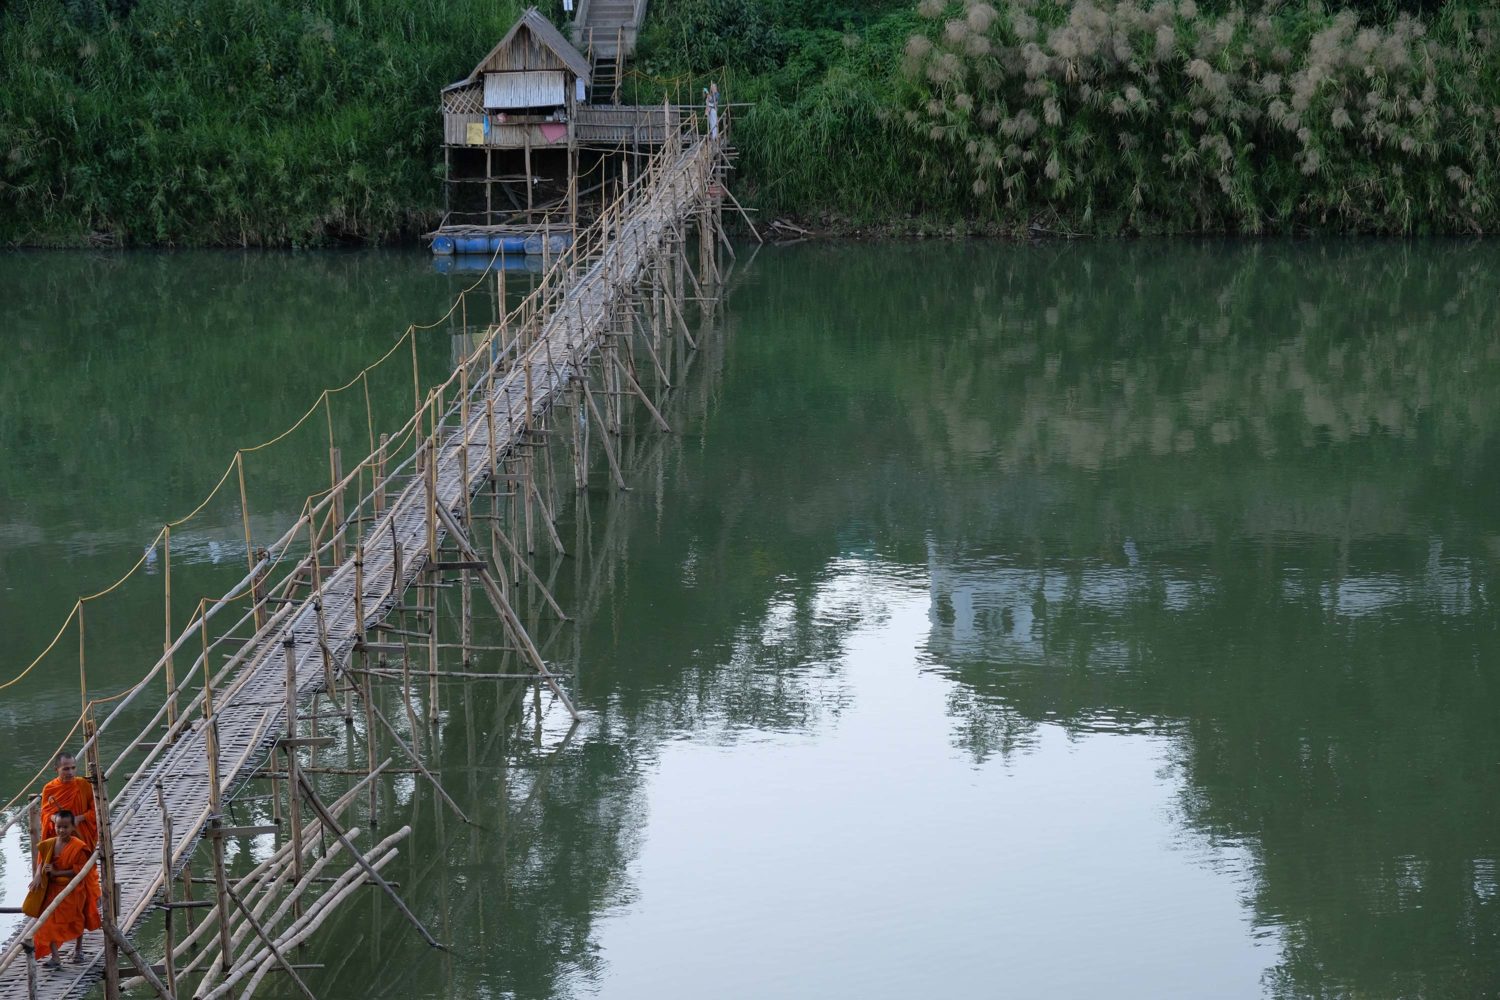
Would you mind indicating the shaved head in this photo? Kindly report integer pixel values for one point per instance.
(64, 821)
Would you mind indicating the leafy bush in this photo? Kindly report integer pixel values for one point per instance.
(702, 35)
(1146, 117)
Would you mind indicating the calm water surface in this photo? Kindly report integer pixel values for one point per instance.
(1076, 621)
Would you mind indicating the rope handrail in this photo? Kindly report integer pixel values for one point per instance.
(597, 254)
(582, 251)
(229, 470)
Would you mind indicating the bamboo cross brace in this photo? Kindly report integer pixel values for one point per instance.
(417, 760)
(317, 804)
(260, 932)
(508, 614)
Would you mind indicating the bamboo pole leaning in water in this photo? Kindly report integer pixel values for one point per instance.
(274, 868)
(328, 902)
(248, 963)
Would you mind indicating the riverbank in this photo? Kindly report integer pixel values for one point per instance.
(217, 122)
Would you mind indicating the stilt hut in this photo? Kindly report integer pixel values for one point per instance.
(524, 149)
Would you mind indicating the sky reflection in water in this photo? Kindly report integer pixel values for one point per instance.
(1107, 619)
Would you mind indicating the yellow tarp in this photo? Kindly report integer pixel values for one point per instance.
(476, 133)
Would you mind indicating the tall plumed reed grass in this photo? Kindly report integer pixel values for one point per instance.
(248, 122)
(1160, 116)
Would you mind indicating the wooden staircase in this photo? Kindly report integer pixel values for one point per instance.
(606, 30)
(604, 81)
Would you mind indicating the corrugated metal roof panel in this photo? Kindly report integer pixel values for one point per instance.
(534, 89)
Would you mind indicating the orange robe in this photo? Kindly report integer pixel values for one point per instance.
(76, 796)
(75, 914)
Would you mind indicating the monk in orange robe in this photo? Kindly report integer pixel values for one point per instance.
(71, 918)
(76, 795)
(70, 793)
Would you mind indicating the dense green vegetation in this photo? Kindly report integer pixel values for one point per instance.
(269, 122)
(227, 121)
(1100, 116)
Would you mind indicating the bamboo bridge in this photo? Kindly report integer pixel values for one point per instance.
(455, 494)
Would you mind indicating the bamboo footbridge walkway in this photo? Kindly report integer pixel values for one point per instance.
(459, 492)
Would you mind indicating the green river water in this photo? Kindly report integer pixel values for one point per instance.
(1086, 620)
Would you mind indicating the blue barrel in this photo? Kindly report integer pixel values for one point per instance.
(473, 262)
(558, 242)
(472, 244)
(534, 244)
(442, 244)
(513, 244)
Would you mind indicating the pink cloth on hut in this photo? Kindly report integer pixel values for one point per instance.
(553, 131)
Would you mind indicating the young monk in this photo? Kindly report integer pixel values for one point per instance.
(70, 919)
(69, 792)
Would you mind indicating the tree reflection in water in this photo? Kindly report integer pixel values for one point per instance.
(1236, 496)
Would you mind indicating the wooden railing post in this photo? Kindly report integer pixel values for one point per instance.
(169, 939)
(294, 798)
(110, 910)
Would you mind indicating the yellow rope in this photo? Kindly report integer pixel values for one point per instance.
(212, 493)
(323, 397)
(45, 767)
(284, 434)
(43, 654)
(140, 561)
(394, 447)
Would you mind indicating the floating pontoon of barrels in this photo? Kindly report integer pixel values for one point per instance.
(321, 645)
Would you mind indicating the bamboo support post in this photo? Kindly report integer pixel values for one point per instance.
(169, 964)
(510, 618)
(336, 474)
(364, 682)
(294, 802)
(110, 895)
(609, 450)
(257, 966)
(34, 827)
(221, 881)
(381, 482)
(239, 461)
(273, 865)
(166, 606)
(114, 937)
(522, 563)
